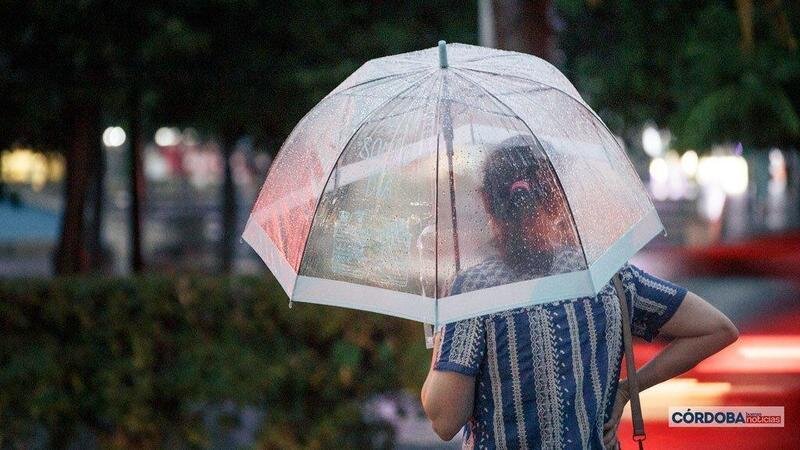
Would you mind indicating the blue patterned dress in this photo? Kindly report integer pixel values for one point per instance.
(547, 375)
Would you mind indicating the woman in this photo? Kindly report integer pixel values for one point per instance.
(547, 376)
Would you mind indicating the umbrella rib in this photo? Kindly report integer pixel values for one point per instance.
(496, 113)
(576, 100)
(453, 101)
(529, 80)
(506, 54)
(436, 228)
(395, 114)
(566, 197)
(394, 75)
(335, 163)
(580, 102)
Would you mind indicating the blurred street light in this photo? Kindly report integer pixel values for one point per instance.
(658, 170)
(651, 141)
(113, 137)
(728, 172)
(777, 172)
(659, 173)
(689, 163)
(166, 136)
(27, 166)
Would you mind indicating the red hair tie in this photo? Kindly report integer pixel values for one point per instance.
(524, 184)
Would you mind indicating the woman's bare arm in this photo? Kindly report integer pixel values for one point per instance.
(447, 398)
(699, 330)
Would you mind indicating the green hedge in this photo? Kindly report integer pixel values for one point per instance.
(131, 359)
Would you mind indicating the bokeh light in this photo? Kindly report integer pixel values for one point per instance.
(113, 137)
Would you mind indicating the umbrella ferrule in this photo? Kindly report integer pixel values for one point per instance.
(443, 54)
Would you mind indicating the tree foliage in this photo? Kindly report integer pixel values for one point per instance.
(680, 63)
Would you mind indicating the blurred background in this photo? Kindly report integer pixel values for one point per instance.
(134, 137)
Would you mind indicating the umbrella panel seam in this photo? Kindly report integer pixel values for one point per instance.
(566, 197)
(335, 163)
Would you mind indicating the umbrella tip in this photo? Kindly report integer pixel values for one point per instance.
(443, 54)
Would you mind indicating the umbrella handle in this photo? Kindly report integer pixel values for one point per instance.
(428, 335)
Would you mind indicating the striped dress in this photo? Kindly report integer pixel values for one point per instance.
(546, 375)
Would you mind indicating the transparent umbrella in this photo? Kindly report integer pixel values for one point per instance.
(422, 165)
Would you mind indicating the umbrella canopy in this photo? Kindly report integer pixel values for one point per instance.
(422, 165)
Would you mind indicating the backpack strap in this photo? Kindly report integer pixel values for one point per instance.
(633, 383)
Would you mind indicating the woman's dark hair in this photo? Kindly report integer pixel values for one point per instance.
(515, 177)
(510, 176)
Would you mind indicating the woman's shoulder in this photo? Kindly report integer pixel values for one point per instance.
(492, 271)
(568, 259)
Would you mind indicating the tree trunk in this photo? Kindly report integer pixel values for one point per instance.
(487, 36)
(136, 180)
(70, 256)
(229, 207)
(525, 26)
(95, 240)
(744, 8)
